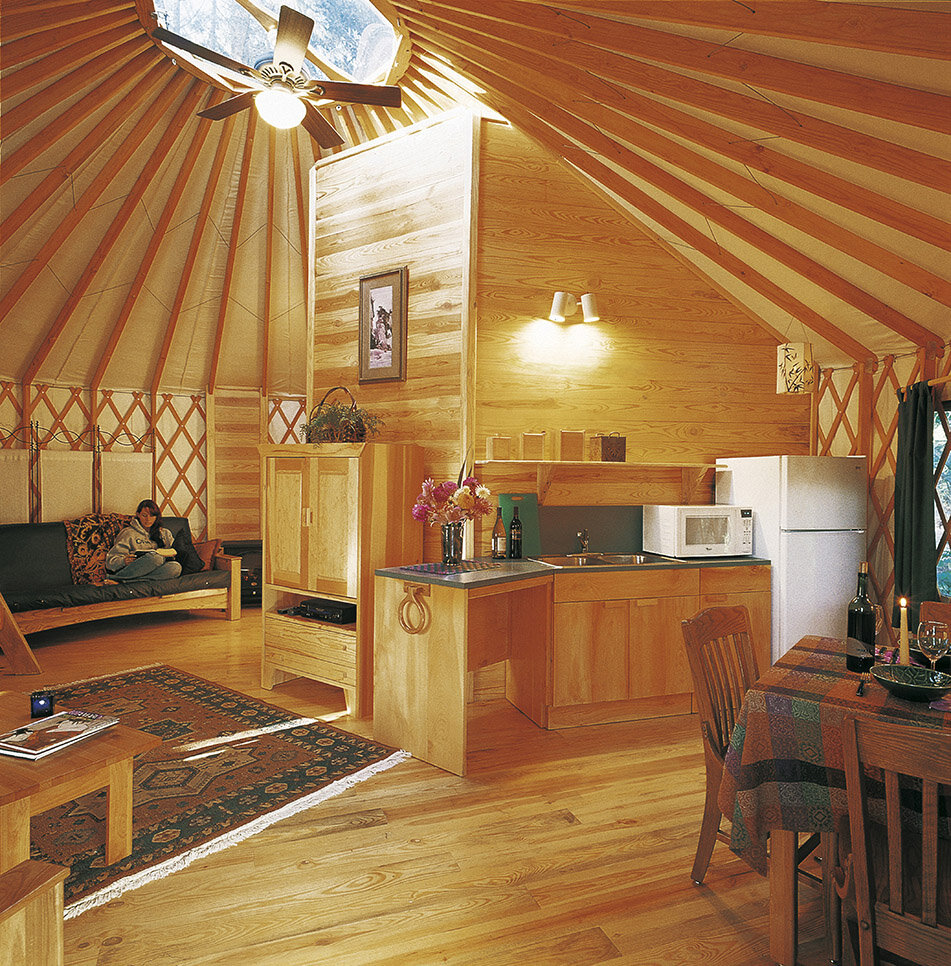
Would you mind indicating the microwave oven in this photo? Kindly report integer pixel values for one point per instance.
(698, 531)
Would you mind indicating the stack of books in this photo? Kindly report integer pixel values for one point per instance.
(46, 735)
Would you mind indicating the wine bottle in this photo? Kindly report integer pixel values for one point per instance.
(498, 537)
(861, 625)
(515, 536)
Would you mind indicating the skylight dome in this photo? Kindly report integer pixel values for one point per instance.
(351, 39)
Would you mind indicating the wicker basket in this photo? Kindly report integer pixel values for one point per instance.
(339, 422)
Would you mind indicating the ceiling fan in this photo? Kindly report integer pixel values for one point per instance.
(283, 95)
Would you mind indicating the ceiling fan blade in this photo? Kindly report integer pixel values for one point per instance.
(293, 36)
(226, 108)
(319, 128)
(378, 94)
(190, 47)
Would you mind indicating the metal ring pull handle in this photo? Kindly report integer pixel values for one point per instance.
(411, 606)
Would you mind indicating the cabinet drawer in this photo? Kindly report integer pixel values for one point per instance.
(625, 584)
(311, 641)
(734, 580)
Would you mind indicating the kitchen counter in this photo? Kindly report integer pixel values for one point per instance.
(485, 572)
(582, 644)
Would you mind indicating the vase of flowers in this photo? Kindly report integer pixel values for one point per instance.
(449, 505)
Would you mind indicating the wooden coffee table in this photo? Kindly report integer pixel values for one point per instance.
(30, 787)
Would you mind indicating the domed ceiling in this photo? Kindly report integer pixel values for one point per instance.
(795, 153)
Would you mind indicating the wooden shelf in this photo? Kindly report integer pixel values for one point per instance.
(601, 484)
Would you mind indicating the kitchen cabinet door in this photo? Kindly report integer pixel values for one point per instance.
(333, 523)
(658, 660)
(590, 652)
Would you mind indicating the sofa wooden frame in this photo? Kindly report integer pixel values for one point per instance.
(20, 658)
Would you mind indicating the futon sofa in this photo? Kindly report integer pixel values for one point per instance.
(53, 574)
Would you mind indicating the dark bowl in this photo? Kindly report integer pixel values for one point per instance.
(911, 682)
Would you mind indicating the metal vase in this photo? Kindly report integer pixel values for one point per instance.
(452, 543)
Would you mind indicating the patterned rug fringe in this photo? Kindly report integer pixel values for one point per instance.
(179, 862)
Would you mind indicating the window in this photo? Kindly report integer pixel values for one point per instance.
(349, 36)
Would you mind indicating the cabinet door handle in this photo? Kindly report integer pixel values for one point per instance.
(307, 517)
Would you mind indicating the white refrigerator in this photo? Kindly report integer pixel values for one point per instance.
(809, 519)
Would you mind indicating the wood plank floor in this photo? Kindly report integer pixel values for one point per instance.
(568, 847)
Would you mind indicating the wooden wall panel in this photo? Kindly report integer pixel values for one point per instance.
(403, 201)
(235, 428)
(673, 365)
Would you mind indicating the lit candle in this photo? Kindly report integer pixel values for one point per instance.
(904, 655)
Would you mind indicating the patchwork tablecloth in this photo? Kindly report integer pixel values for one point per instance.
(784, 767)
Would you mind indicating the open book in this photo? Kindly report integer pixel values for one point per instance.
(46, 735)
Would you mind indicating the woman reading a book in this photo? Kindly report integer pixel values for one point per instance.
(143, 549)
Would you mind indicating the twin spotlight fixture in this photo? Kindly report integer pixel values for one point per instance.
(565, 304)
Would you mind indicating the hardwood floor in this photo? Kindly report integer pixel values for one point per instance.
(567, 847)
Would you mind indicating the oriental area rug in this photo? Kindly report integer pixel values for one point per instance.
(229, 767)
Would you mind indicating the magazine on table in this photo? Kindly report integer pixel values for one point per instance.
(46, 735)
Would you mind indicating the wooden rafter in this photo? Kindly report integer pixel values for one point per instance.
(29, 19)
(239, 207)
(83, 204)
(123, 69)
(917, 33)
(117, 225)
(515, 103)
(96, 56)
(148, 258)
(869, 96)
(33, 46)
(752, 109)
(623, 128)
(587, 90)
(201, 220)
(80, 154)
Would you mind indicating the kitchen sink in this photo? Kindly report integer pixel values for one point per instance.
(571, 560)
(604, 560)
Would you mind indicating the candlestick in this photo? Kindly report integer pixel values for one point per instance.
(904, 655)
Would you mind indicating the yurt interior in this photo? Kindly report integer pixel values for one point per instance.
(341, 288)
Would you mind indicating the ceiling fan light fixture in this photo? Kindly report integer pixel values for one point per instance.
(279, 108)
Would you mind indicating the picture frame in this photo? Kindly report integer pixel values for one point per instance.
(382, 335)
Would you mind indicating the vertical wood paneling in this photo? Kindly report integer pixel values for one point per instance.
(672, 365)
(400, 202)
(234, 431)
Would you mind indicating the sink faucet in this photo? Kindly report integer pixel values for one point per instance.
(583, 537)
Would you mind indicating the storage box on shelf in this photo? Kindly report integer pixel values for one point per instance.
(333, 514)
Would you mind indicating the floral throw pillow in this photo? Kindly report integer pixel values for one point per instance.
(88, 540)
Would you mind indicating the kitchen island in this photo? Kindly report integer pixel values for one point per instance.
(582, 644)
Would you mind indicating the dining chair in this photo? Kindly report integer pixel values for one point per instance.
(900, 857)
(723, 667)
(933, 610)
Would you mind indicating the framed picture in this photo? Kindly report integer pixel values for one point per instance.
(383, 325)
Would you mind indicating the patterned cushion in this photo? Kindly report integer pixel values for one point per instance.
(88, 540)
(207, 551)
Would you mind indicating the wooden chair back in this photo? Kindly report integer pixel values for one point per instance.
(912, 920)
(723, 667)
(933, 610)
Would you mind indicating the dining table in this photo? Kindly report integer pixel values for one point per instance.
(783, 773)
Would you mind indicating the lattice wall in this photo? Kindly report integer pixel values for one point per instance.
(858, 414)
(64, 420)
(180, 461)
(285, 416)
(12, 435)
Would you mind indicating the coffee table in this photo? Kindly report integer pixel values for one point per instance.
(27, 788)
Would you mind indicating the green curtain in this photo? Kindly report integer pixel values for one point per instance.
(916, 555)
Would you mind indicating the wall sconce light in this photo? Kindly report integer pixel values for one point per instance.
(565, 304)
(795, 369)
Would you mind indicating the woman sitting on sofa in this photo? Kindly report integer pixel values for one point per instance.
(142, 550)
